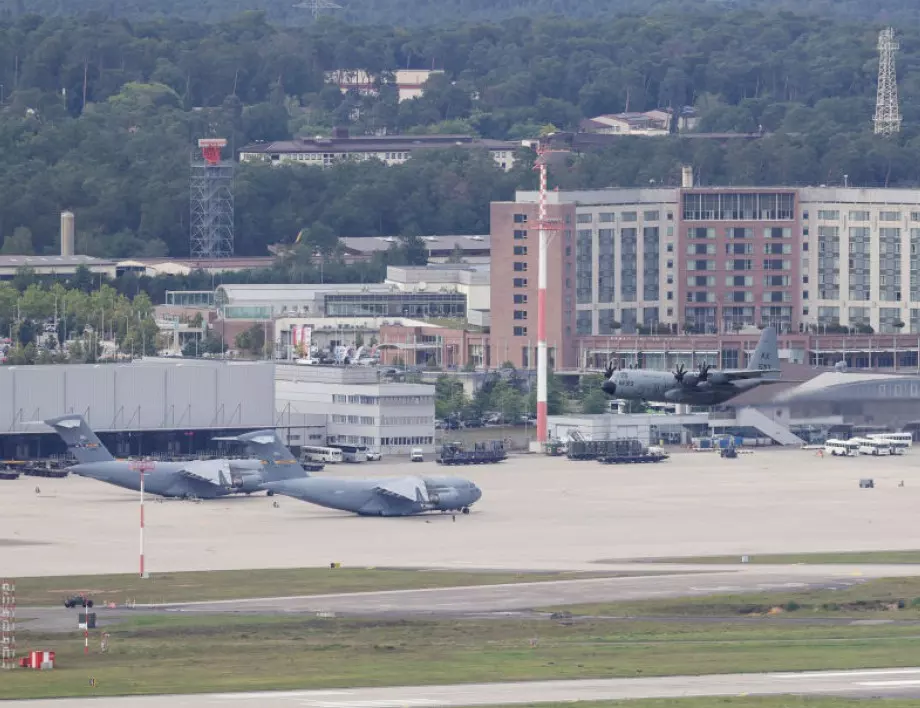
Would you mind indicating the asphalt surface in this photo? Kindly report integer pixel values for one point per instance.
(869, 683)
(493, 600)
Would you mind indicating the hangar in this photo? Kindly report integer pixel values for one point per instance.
(146, 407)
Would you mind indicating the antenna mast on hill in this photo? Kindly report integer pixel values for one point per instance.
(887, 114)
(314, 6)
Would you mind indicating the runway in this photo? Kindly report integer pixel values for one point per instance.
(863, 683)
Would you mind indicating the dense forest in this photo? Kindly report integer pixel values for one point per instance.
(429, 12)
(100, 116)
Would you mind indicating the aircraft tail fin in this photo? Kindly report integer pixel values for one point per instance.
(81, 441)
(278, 463)
(766, 355)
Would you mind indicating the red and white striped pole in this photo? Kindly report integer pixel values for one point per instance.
(541, 307)
(142, 468)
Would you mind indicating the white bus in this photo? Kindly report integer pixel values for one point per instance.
(899, 441)
(321, 454)
(847, 448)
(868, 446)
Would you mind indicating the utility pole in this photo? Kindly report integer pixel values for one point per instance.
(887, 114)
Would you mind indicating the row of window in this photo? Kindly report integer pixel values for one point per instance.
(739, 296)
(628, 216)
(862, 215)
(354, 419)
(709, 249)
(737, 281)
(419, 440)
(738, 232)
(768, 264)
(382, 400)
(407, 420)
(355, 398)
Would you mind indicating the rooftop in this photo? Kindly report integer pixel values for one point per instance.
(373, 143)
(373, 244)
(51, 261)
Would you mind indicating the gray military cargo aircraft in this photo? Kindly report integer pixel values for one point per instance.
(706, 387)
(394, 496)
(194, 479)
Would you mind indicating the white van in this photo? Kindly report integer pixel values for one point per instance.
(416, 455)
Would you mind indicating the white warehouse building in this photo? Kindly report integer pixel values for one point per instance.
(359, 408)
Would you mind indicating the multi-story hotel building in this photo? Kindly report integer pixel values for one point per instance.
(706, 260)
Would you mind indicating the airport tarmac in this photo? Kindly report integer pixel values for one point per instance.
(536, 513)
(876, 682)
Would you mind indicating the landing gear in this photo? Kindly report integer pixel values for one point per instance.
(270, 493)
(466, 510)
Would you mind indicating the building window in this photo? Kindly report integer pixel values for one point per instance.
(520, 331)
(701, 232)
(829, 215)
(629, 216)
(520, 250)
(859, 216)
(584, 218)
(520, 218)
(651, 216)
(520, 299)
(889, 216)
(520, 234)
(607, 216)
(520, 267)
(520, 282)
(520, 314)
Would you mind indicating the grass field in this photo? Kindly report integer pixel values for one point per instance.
(892, 598)
(856, 557)
(239, 584)
(166, 653)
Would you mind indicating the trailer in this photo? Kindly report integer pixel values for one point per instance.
(628, 459)
(482, 453)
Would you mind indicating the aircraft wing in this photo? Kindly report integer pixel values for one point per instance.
(409, 488)
(216, 472)
(737, 374)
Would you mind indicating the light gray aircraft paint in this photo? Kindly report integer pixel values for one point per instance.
(201, 479)
(394, 496)
(705, 387)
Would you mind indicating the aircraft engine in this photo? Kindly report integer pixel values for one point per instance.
(444, 498)
(718, 379)
(690, 380)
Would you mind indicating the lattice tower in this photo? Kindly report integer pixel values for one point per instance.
(211, 203)
(887, 114)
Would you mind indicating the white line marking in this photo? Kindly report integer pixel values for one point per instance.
(890, 684)
(847, 674)
(278, 694)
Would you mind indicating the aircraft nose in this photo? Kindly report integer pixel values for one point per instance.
(477, 494)
(609, 387)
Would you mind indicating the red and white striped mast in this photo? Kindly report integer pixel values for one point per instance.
(546, 227)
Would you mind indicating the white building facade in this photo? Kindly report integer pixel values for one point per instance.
(360, 409)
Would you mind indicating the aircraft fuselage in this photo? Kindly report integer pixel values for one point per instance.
(361, 496)
(166, 479)
(662, 387)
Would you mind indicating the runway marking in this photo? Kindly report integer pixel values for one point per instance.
(847, 674)
(391, 703)
(889, 684)
(275, 694)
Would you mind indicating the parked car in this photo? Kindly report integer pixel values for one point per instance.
(372, 455)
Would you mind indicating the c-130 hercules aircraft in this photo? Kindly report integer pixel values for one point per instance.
(393, 496)
(706, 387)
(193, 479)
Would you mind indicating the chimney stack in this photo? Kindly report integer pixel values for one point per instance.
(686, 177)
(67, 233)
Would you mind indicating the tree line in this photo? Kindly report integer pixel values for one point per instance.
(100, 115)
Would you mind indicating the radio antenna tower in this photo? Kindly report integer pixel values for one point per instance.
(211, 203)
(315, 6)
(887, 114)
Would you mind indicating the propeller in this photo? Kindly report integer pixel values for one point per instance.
(679, 373)
(608, 372)
(704, 371)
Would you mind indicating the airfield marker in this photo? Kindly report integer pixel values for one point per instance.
(142, 468)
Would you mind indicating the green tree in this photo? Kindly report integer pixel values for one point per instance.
(595, 402)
